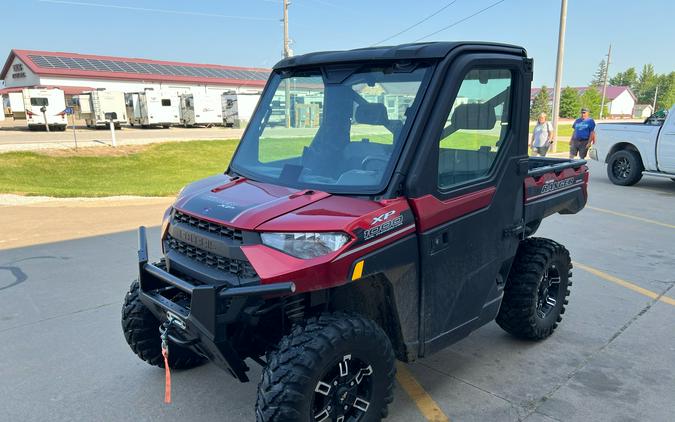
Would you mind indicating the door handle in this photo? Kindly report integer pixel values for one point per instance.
(440, 242)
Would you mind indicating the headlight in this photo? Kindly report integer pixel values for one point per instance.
(305, 245)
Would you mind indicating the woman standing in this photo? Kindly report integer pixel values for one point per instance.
(541, 136)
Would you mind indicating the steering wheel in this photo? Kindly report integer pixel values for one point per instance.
(370, 158)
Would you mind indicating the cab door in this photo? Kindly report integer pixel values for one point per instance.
(466, 191)
(665, 148)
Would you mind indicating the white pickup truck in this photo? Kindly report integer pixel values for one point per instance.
(633, 149)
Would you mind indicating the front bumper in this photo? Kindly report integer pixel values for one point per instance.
(203, 324)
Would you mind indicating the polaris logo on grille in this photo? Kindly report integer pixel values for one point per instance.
(553, 185)
(198, 241)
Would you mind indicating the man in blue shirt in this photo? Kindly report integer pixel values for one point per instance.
(583, 136)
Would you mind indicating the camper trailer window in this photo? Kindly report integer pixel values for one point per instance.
(166, 102)
(39, 101)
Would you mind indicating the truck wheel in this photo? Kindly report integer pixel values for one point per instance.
(336, 367)
(624, 168)
(141, 330)
(536, 290)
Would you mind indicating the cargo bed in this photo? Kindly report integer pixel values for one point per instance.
(554, 185)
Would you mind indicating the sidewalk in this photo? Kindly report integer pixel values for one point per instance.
(21, 139)
(35, 220)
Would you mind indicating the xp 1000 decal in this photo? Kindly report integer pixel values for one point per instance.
(383, 224)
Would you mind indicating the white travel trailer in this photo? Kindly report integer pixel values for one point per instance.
(152, 108)
(98, 107)
(16, 107)
(44, 106)
(238, 107)
(200, 109)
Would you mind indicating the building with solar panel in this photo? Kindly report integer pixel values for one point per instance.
(77, 73)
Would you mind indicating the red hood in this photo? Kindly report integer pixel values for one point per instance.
(242, 203)
(248, 205)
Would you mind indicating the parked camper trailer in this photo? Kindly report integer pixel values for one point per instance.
(16, 108)
(238, 107)
(45, 106)
(200, 109)
(152, 108)
(98, 107)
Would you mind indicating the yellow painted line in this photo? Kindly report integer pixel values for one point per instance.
(358, 270)
(626, 284)
(632, 217)
(429, 408)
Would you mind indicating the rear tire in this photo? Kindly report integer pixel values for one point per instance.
(624, 168)
(334, 365)
(536, 289)
(141, 330)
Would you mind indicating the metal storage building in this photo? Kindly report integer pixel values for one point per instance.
(75, 73)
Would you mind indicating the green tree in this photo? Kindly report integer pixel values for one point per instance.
(666, 96)
(591, 99)
(599, 76)
(646, 84)
(540, 104)
(627, 78)
(569, 103)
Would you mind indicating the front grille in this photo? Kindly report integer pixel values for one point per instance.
(233, 266)
(207, 226)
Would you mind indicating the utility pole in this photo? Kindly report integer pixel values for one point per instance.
(558, 71)
(656, 94)
(287, 53)
(287, 49)
(604, 84)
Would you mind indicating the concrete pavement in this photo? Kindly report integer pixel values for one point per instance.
(21, 139)
(63, 356)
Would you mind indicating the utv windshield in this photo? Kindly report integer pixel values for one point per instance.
(334, 129)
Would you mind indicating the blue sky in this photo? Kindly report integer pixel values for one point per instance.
(249, 33)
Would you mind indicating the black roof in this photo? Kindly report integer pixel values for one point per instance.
(427, 50)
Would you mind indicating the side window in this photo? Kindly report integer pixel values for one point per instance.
(476, 126)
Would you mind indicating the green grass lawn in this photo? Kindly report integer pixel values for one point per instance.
(160, 169)
(157, 170)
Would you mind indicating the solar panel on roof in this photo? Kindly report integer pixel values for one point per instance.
(120, 66)
(136, 67)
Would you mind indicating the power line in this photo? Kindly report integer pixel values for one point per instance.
(147, 9)
(415, 24)
(461, 20)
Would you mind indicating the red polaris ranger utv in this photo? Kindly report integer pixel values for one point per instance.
(378, 207)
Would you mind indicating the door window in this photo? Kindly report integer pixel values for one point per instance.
(476, 127)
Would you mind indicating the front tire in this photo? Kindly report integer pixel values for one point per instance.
(536, 290)
(624, 168)
(141, 330)
(336, 365)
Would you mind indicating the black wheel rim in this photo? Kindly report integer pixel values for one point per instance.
(621, 168)
(549, 289)
(344, 392)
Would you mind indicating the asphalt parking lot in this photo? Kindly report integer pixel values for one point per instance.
(63, 356)
(15, 137)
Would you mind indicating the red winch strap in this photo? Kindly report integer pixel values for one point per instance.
(167, 374)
